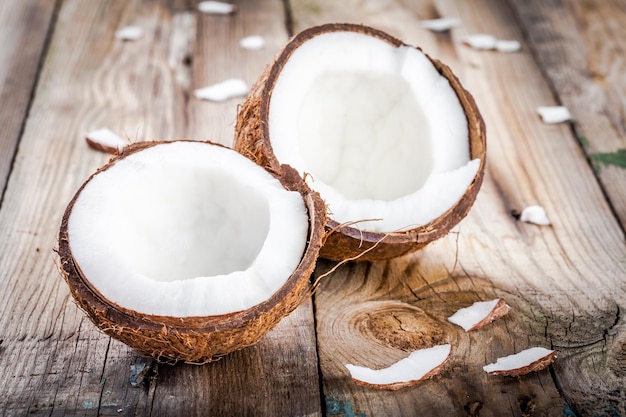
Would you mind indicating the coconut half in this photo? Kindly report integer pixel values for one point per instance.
(187, 250)
(387, 135)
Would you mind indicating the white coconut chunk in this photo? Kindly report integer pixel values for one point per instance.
(480, 41)
(419, 365)
(507, 45)
(483, 41)
(554, 114)
(440, 25)
(535, 214)
(377, 128)
(224, 90)
(478, 314)
(529, 360)
(187, 229)
(105, 140)
(252, 42)
(217, 7)
(129, 33)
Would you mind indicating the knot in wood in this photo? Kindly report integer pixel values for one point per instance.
(400, 325)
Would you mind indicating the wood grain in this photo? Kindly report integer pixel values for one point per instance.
(24, 28)
(580, 46)
(218, 57)
(563, 282)
(52, 359)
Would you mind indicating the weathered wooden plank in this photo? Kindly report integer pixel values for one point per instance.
(52, 359)
(580, 46)
(279, 376)
(218, 56)
(276, 377)
(564, 282)
(23, 31)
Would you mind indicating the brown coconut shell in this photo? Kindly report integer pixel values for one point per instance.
(252, 139)
(196, 339)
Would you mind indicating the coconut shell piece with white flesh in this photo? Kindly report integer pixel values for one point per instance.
(418, 366)
(187, 251)
(521, 363)
(388, 136)
(479, 314)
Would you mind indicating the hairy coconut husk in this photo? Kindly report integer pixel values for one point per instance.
(196, 339)
(252, 139)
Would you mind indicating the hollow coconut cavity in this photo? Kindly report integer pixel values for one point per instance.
(387, 135)
(187, 250)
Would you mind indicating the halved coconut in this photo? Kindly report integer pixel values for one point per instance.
(187, 250)
(387, 135)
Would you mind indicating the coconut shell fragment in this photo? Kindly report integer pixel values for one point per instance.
(346, 240)
(195, 339)
(420, 365)
(479, 314)
(529, 360)
(104, 140)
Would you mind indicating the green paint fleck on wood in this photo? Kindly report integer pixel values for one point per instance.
(613, 158)
(583, 141)
(88, 405)
(568, 412)
(341, 408)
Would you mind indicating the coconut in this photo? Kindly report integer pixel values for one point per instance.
(388, 136)
(479, 314)
(529, 360)
(420, 365)
(187, 251)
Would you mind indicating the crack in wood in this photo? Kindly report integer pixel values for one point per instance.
(288, 20)
(102, 378)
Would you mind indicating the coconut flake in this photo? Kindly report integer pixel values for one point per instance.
(418, 366)
(529, 360)
(440, 25)
(252, 42)
(507, 45)
(483, 41)
(536, 215)
(480, 41)
(225, 90)
(129, 33)
(554, 114)
(479, 314)
(106, 141)
(217, 7)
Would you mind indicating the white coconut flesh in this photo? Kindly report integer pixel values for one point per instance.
(187, 229)
(380, 133)
(414, 367)
(469, 317)
(519, 360)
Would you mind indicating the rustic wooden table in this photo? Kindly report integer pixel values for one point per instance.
(62, 74)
